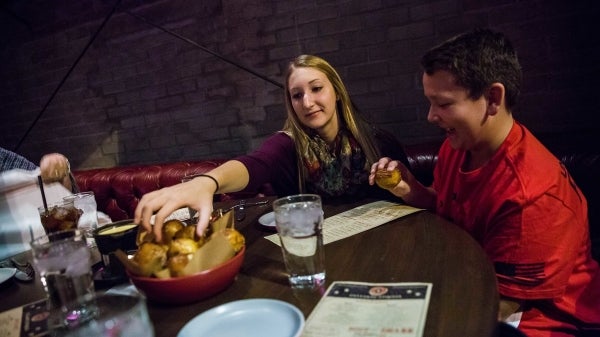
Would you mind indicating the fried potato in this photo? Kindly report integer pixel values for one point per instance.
(150, 257)
(187, 232)
(170, 228)
(387, 179)
(177, 264)
(236, 239)
(182, 246)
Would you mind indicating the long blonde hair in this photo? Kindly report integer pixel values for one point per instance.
(347, 113)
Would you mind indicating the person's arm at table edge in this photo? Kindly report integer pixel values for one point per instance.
(198, 193)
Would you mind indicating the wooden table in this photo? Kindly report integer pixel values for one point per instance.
(420, 247)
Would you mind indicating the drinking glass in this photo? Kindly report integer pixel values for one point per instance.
(59, 216)
(63, 261)
(117, 316)
(299, 223)
(88, 222)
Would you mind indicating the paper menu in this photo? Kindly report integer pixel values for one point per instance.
(29, 320)
(358, 219)
(358, 309)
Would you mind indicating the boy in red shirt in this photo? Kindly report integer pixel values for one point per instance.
(497, 181)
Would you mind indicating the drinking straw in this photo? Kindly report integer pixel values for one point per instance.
(43, 194)
(31, 232)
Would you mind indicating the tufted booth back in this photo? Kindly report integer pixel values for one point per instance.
(119, 189)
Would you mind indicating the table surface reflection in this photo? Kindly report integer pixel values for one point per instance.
(419, 247)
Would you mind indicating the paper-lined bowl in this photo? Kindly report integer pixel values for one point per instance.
(190, 288)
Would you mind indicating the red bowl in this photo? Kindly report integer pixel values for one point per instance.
(190, 288)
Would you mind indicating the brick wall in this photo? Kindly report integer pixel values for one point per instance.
(140, 95)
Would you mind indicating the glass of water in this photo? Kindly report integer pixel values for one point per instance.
(88, 222)
(118, 316)
(299, 223)
(63, 261)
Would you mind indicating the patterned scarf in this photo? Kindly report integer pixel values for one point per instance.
(336, 170)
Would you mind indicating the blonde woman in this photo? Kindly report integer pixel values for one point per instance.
(325, 147)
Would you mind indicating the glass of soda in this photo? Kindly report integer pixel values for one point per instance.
(60, 216)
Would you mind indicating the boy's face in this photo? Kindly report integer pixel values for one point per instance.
(453, 110)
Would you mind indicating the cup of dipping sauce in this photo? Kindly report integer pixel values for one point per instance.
(117, 235)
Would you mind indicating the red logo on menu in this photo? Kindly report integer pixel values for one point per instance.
(378, 291)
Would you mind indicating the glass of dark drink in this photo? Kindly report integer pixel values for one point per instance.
(59, 216)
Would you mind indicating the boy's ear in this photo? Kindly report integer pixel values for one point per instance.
(495, 97)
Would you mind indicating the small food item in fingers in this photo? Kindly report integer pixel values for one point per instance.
(387, 179)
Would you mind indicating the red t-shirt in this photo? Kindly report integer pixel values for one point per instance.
(531, 219)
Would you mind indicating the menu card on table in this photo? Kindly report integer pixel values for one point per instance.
(358, 219)
(29, 320)
(357, 309)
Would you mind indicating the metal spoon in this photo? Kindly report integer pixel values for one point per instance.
(246, 204)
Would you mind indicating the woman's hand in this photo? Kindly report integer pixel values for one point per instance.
(197, 193)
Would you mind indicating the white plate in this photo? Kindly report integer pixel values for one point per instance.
(258, 317)
(267, 220)
(6, 274)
